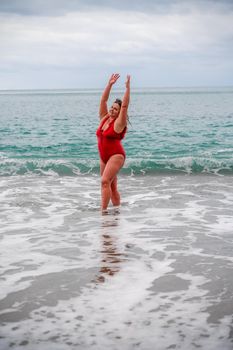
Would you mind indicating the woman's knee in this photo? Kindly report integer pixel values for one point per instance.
(105, 182)
(114, 186)
(114, 189)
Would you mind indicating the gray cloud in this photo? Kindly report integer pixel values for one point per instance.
(61, 7)
(69, 43)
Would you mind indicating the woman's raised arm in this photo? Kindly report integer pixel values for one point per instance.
(121, 121)
(103, 110)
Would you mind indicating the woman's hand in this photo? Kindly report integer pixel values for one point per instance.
(127, 83)
(113, 78)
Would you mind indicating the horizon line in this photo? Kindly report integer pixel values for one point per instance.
(122, 88)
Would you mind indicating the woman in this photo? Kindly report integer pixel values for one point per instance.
(112, 128)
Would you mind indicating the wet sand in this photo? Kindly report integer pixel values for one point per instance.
(155, 274)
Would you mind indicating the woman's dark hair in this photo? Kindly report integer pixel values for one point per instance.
(118, 101)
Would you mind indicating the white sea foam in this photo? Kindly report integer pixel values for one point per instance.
(157, 272)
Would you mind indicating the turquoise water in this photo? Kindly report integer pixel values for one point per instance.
(172, 130)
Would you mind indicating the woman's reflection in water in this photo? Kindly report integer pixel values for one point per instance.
(111, 257)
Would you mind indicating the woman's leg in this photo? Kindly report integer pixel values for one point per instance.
(110, 171)
(115, 195)
(102, 166)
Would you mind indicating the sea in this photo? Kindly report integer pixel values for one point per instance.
(155, 273)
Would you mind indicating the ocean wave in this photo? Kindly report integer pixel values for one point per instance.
(71, 167)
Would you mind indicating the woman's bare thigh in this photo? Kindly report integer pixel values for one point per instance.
(102, 167)
(112, 167)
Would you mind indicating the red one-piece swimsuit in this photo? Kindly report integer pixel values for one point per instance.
(109, 141)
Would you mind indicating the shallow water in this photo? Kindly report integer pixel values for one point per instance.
(157, 273)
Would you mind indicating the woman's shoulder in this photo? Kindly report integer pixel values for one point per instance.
(103, 117)
(115, 132)
(102, 120)
(118, 128)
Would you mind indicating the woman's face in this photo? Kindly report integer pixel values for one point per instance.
(114, 110)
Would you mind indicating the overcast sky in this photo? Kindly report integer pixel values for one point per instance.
(78, 43)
